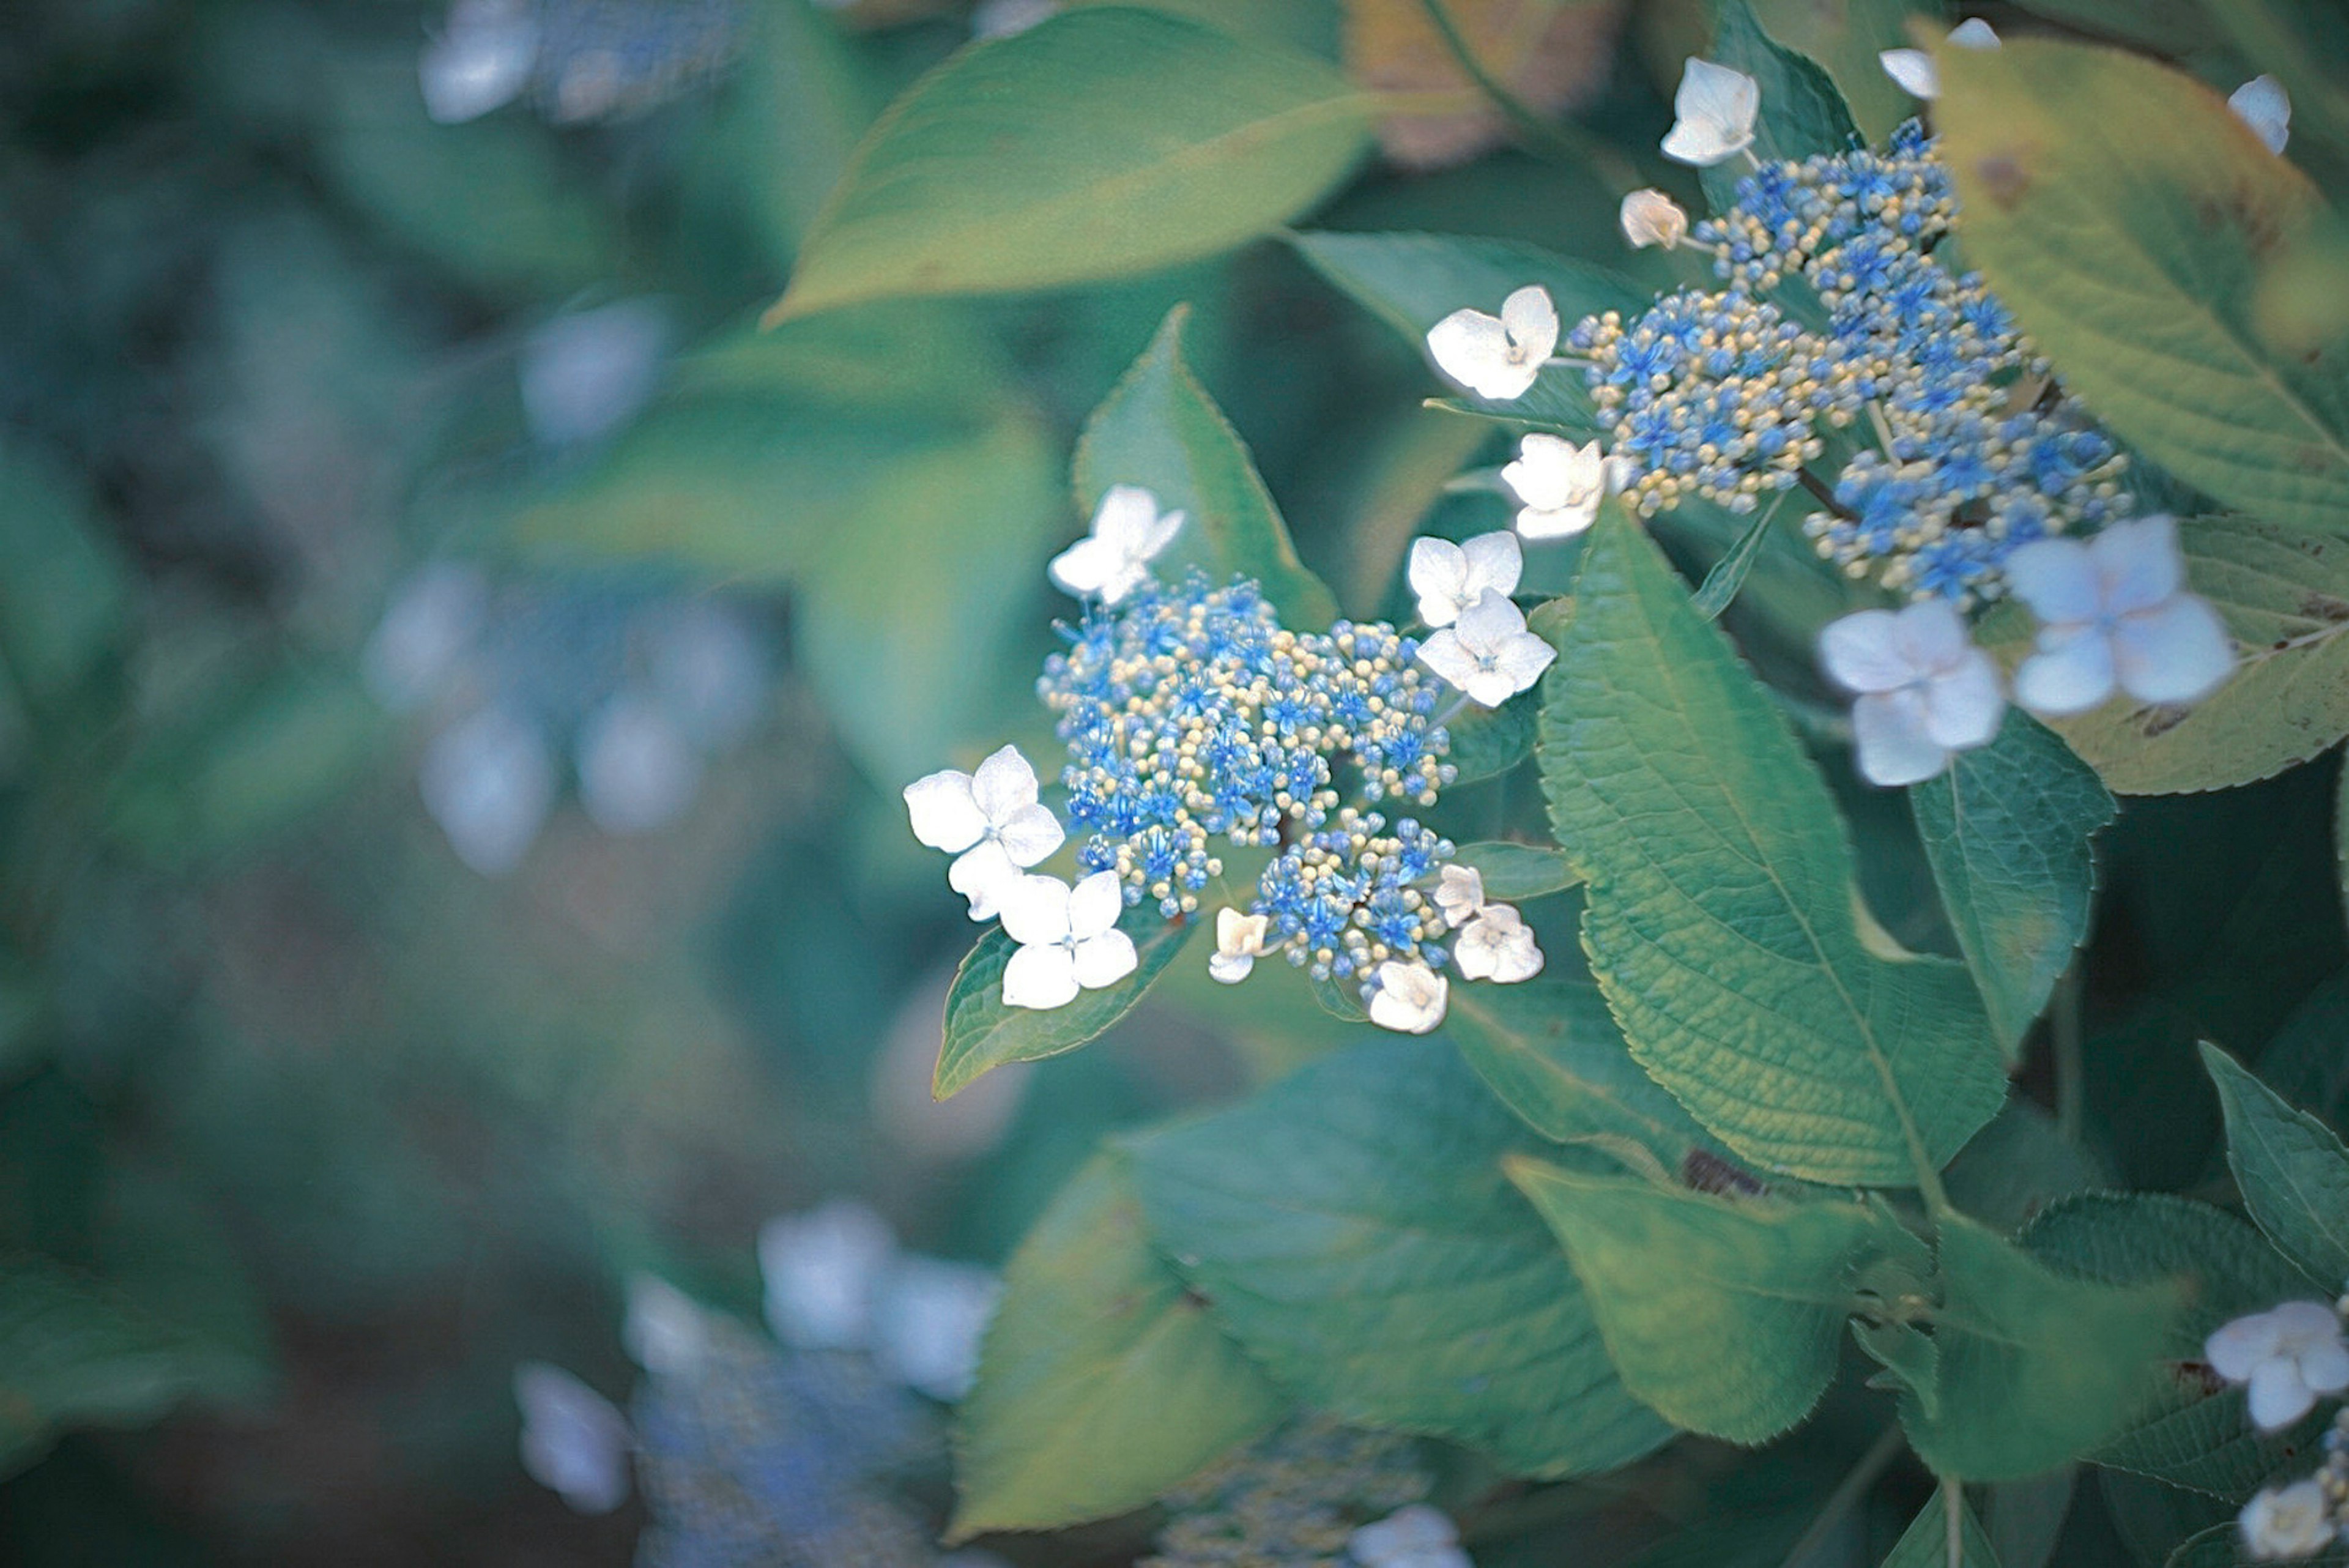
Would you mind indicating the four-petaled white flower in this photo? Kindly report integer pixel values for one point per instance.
(2283, 1523)
(1497, 357)
(1114, 560)
(1414, 1537)
(1497, 945)
(1925, 690)
(820, 1269)
(1651, 218)
(575, 1442)
(1239, 943)
(2263, 105)
(1459, 894)
(1914, 68)
(989, 820)
(1449, 578)
(2287, 1356)
(1068, 939)
(1715, 109)
(1488, 654)
(1560, 484)
(2116, 611)
(1407, 997)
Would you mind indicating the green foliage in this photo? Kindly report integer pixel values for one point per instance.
(2127, 218)
(1720, 920)
(62, 590)
(1550, 1050)
(1926, 1542)
(2292, 1168)
(1511, 872)
(1489, 741)
(2034, 1368)
(1845, 40)
(1801, 114)
(1351, 1228)
(983, 1032)
(2008, 830)
(1729, 573)
(1737, 1337)
(1105, 1385)
(1159, 430)
(1107, 141)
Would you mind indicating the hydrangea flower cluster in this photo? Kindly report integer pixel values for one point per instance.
(1728, 396)
(1300, 1499)
(2287, 1357)
(1192, 715)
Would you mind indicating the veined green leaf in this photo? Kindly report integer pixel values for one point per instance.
(1802, 112)
(1352, 1230)
(2292, 1168)
(2036, 1368)
(1511, 872)
(1926, 1542)
(1725, 1315)
(2126, 218)
(1488, 741)
(982, 1031)
(2008, 829)
(1158, 429)
(1103, 1384)
(1550, 1050)
(1103, 142)
(1720, 914)
(1844, 40)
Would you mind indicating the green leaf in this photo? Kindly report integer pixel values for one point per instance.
(1550, 1050)
(2126, 218)
(73, 1353)
(2191, 1435)
(2291, 1168)
(1720, 916)
(63, 601)
(1728, 574)
(1724, 1315)
(1413, 280)
(1352, 1230)
(1103, 1384)
(2017, 1166)
(2284, 594)
(1160, 429)
(1926, 1542)
(2008, 829)
(1844, 39)
(1515, 872)
(1486, 742)
(1802, 112)
(1103, 142)
(983, 1032)
(2036, 1368)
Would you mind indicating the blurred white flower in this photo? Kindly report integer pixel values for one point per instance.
(2263, 105)
(637, 771)
(665, 1332)
(990, 821)
(1914, 69)
(929, 1316)
(1414, 1537)
(1068, 939)
(1497, 945)
(1925, 690)
(1715, 109)
(2116, 611)
(1488, 654)
(2283, 1523)
(586, 374)
(488, 781)
(1407, 997)
(425, 634)
(1449, 578)
(481, 59)
(1497, 357)
(2287, 1356)
(1651, 218)
(710, 670)
(1239, 943)
(1560, 484)
(575, 1442)
(823, 1269)
(1114, 559)
(1459, 893)
(1002, 18)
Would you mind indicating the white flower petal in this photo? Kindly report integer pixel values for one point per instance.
(1041, 977)
(2177, 653)
(1497, 945)
(637, 771)
(2071, 673)
(1893, 745)
(821, 1269)
(1964, 707)
(2058, 579)
(1473, 348)
(1443, 653)
(575, 1442)
(1086, 568)
(982, 873)
(1408, 997)
(1439, 575)
(1651, 218)
(2236, 1347)
(1864, 652)
(1126, 517)
(1521, 658)
(1929, 633)
(2286, 1522)
(2263, 105)
(665, 1331)
(943, 812)
(1489, 621)
(1406, 1533)
(488, 781)
(422, 639)
(2137, 563)
(2278, 1396)
(1003, 785)
(1913, 70)
(1031, 835)
(1974, 32)
(2326, 1367)
(1230, 968)
(1495, 561)
(1035, 909)
(1459, 894)
(929, 1316)
(1094, 905)
(1104, 959)
(1531, 318)
(1717, 107)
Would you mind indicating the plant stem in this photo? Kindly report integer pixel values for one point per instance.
(1848, 1493)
